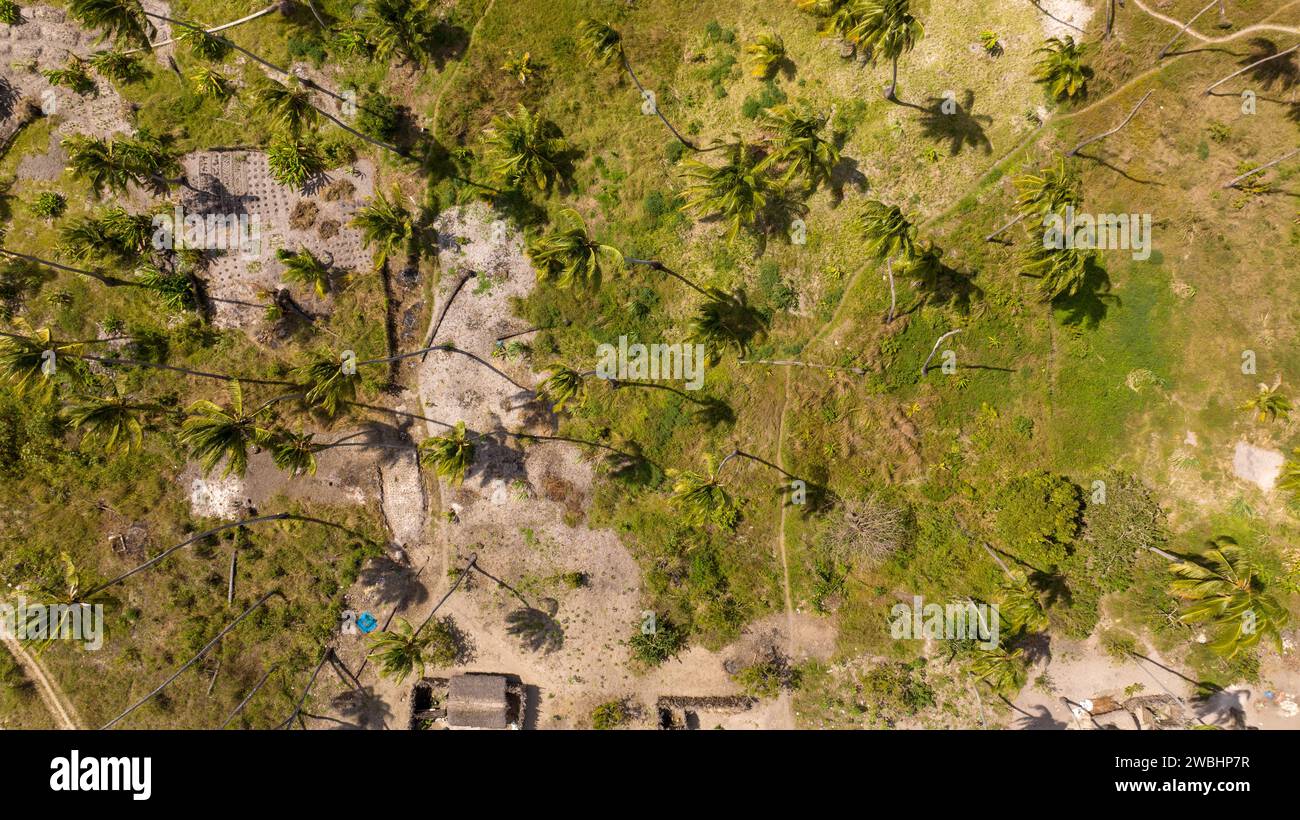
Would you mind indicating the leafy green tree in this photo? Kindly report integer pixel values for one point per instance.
(766, 54)
(1223, 589)
(1037, 516)
(654, 643)
(1061, 69)
(1019, 605)
(799, 144)
(212, 432)
(527, 150)
(890, 30)
(1130, 523)
(569, 257)
(450, 455)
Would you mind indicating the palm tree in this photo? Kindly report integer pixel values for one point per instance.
(1048, 191)
(886, 230)
(800, 145)
(604, 46)
(29, 363)
(1223, 589)
(209, 82)
(765, 55)
(1061, 69)
(1269, 404)
(738, 190)
(701, 498)
(888, 28)
(1061, 272)
(529, 150)
(292, 161)
(726, 320)
(213, 433)
(400, 651)
(563, 385)
(841, 16)
(124, 20)
(1003, 670)
(289, 105)
(570, 257)
(1020, 605)
(449, 454)
(175, 288)
(326, 385)
(113, 422)
(305, 268)
(400, 27)
(386, 224)
(111, 281)
(294, 452)
(1289, 479)
(113, 164)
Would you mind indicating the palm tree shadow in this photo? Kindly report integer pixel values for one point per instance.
(960, 128)
(392, 583)
(1090, 304)
(1038, 719)
(537, 629)
(844, 174)
(1284, 72)
(364, 707)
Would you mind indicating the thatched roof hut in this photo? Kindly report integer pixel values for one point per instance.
(478, 702)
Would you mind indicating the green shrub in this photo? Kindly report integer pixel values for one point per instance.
(609, 715)
(1119, 529)
(10, 14)
(1038, 516)
(378, 117)
(768, 677)
(49, 205)
(662, 641)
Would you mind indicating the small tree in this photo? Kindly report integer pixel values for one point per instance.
(658, 642)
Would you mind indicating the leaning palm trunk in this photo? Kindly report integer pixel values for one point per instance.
(223, 27)
(442, 314)
(1006, 227)
(796, 363)
(627, 66)
(206, 648)
(111, 281)
(1263, 167)
(1239, 72)
(935, 349)
(655, 264)
(893, 298)
(1114, 130)
(1186, 26)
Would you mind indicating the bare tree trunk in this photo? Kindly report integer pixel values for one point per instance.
(933, 350)
(893, 301)
(1263, 167)
(1005, 227)
(1186, 26)
(1252, 65)
(1114, 130)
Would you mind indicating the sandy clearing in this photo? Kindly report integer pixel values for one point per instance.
(1064, 17)
(1258, 465)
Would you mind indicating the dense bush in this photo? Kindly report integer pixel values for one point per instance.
(1038, 516)
(1117, 531)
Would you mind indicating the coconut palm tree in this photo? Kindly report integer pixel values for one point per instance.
(123, 20)
(726, 320)
(325, 383)
(305, 268)
(29, 363)
(212, 432)
(738, 191)
(840, 16)
(1020, 606)
(450, 454)
(604, 46)
(701, 498)
(569, 256)
(404, 28)
(208, 82)
(1268, 404)
(1224, 590)
(1061, 272)
(111, 281)
(766, 54)
(886, 230)
(386, 224)
(527, 150)
(113, 164)
(799, 144)
(1061, 69)
(1048, 191)
(294, 452)
(289, 105)
(889, 29)
(1002, 669)
(400, 650)
(175, 288)
(293, 162)
(564, 385)
(1289, 479)
(114, 422)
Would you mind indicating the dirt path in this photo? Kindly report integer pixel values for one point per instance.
(57, 702)
(792, 644)
(1191, 32)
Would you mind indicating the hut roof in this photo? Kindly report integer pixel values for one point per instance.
(477, 702)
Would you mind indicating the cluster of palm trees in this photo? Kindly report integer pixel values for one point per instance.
(885, 29)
